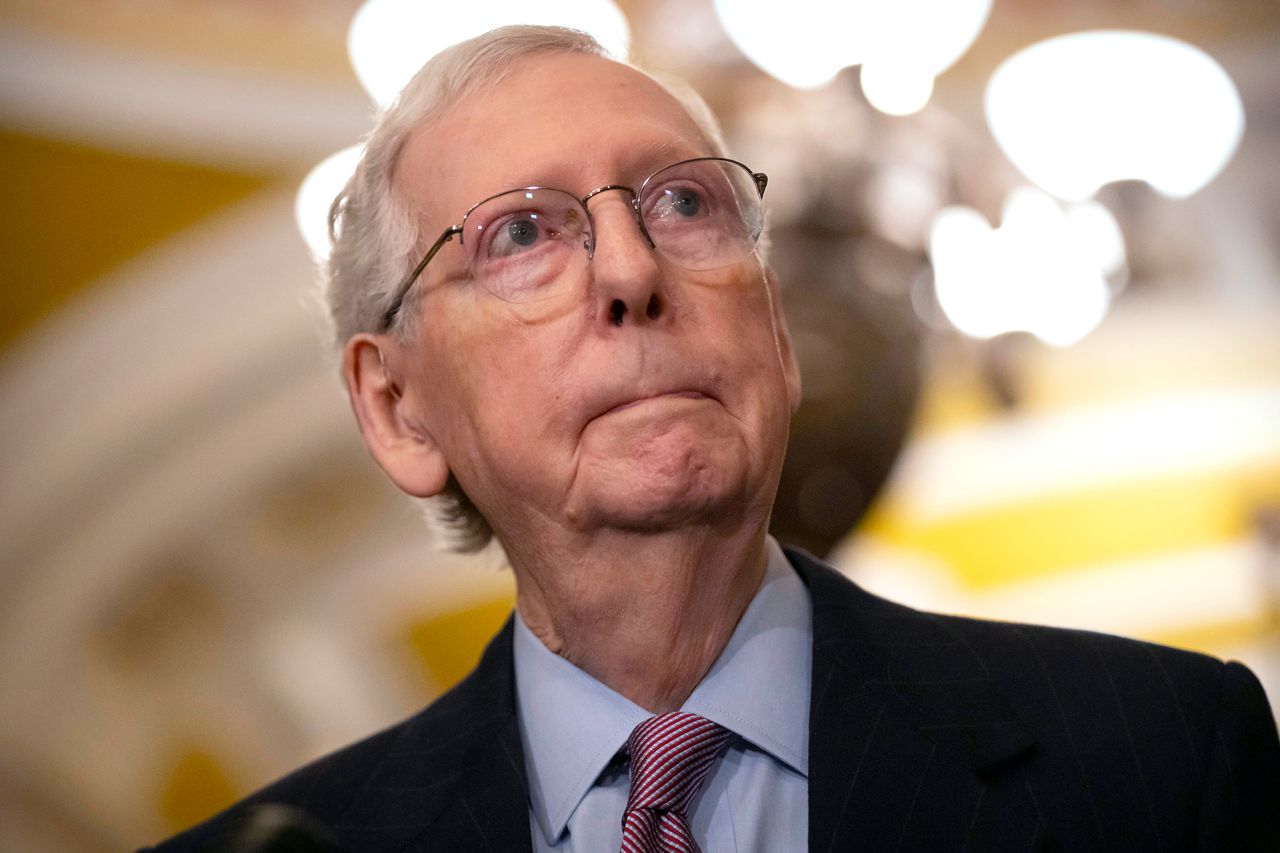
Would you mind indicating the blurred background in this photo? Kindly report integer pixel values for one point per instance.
(1029, 251)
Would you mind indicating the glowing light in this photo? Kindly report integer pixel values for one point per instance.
(316, 193)
(805, 43)
(1092, 227)
(1042, 271)
(898, 91)
(389, 40)
(1079, 111)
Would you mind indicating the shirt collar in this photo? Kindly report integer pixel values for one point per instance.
(759, 686)
(571, 725)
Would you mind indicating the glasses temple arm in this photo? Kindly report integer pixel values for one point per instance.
(402, 289)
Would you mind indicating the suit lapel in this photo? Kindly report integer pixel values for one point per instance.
(489, 806)
(480, 802)
(911, 746)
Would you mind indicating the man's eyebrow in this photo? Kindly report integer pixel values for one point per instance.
(635, 164)
(656, 154)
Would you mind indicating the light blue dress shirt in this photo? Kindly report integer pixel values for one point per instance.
(757, 795)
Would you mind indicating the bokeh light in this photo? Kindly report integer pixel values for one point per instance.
(1043, 270)
(389, 40)
(1079, 111)
(896, 90)
(316, 193)
(902, 46)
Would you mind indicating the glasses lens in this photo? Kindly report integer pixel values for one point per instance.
(519, 243)
(703, 214)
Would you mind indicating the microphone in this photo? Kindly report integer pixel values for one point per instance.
(278, 828)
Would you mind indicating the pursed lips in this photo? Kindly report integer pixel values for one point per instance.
(689, 394)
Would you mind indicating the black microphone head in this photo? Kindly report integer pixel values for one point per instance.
(278, 828)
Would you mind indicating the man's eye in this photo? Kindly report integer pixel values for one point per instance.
(523, 232)
(685, 202)
(673, 204)
(516, 234)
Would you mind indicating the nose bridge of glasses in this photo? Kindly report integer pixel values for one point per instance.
(632, 205)
(608, 188)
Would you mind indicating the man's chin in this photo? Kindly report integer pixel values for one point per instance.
(653, 516)
(648, 501)
(644, 473)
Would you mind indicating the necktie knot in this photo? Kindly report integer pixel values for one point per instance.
(671, 756)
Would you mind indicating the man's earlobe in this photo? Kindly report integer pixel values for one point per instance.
(398, 441)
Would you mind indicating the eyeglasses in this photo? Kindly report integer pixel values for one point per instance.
(701, 214)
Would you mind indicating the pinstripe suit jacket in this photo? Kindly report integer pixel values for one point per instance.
(927, 733)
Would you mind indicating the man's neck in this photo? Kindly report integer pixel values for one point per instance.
(646, 614)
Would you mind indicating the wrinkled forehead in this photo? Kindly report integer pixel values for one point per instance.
(571, 121)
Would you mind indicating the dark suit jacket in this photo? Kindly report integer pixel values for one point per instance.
(929, 733)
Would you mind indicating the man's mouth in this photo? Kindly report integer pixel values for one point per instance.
(690, 395)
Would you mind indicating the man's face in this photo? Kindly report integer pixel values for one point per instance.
(678, 414)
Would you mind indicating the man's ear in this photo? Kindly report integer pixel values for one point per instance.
(400, 444)
(782, 334)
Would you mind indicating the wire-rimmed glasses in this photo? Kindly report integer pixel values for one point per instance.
(701, 214)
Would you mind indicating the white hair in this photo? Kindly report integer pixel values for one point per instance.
(374, 232)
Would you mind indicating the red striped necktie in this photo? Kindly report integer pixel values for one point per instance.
(671, 755)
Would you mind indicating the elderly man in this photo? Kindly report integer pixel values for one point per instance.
(556, 322)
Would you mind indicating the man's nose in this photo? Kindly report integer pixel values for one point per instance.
(629, 286)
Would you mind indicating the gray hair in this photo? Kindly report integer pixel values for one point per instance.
(374, 232)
